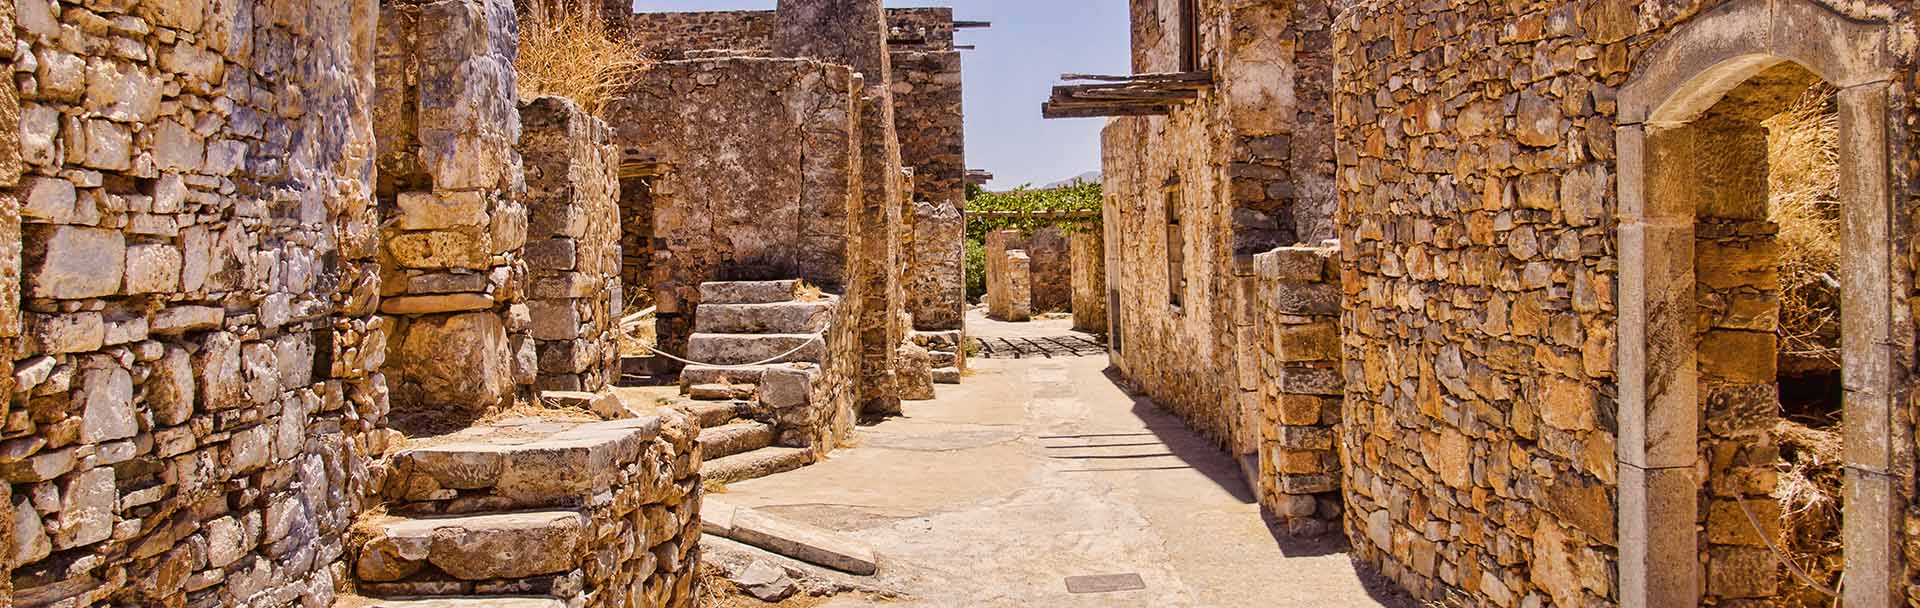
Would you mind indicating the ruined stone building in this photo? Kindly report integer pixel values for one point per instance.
(282, 276)
(854, 132)
(1542, 364)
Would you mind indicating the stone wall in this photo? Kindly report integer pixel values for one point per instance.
(198, 389)
(573, 248)
(453, 281)
(920, 29)
(1045, 276)
(935, 281)
(1052, 269)
(738, 199)
(929, 122)
(1246, 168)
(1491, 255)
(1089, 277)
(1296, 343)
(674, 35)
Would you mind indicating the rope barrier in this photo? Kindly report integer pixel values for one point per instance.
(1795, 568)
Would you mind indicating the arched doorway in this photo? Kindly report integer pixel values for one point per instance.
(1685, 187)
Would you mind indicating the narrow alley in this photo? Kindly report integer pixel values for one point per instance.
(1036, 471)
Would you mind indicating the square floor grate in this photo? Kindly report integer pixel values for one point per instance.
(1105, 583)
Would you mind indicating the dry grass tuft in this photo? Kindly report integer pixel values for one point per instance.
(1809, 496)
(1804, 179)
(567, 50)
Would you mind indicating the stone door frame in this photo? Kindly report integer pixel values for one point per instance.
(1673, 83)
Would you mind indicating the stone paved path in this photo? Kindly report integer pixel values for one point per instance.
(1035, 470)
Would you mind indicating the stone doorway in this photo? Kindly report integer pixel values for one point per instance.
(1694, 237)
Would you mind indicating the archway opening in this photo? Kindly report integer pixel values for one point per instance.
(1758, 171)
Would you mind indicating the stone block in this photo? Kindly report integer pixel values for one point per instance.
(458, 361)
(74, 262)
(442, 210)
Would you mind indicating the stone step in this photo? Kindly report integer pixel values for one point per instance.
(450, 602)
(709, 414)
(787, 538)
(720, 392)
(754, 464)
(484, 547)
(741, 349)
(946, 375)
(539, 463)
(748, 292)
(776, 318)
(695, 375)
(734, 438)
(941, 358)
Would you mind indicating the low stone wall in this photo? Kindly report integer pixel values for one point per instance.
(573, 250)
(191, 354)
(1089, 276)
(1296, 301)
(453, 281)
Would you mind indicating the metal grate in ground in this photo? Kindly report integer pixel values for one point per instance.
(1038, 347)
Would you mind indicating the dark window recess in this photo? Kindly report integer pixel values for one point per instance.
(1176, 251)
(1189, 35)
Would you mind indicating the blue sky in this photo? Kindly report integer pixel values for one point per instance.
(1010, 72)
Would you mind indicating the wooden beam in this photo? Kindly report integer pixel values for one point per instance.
(1149, 77)
(1062, 94)
(963, 25)
(1095, 110)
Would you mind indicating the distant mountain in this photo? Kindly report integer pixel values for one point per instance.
(1084, 178)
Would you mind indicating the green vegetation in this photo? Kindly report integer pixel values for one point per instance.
(1077, 197)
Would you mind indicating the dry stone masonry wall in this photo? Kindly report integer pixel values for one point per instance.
(1243, 169)
(198, 389)
(1495, 402)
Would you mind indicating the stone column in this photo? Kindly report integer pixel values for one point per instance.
(573, 252)
(452, 280)
(1297, 311)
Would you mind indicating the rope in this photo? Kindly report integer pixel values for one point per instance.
(1795, 569)
(778, 357)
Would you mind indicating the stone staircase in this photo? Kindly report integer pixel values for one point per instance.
(536, 513)
(945, 350)
(753, 416)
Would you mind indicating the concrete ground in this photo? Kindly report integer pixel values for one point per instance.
(1035, 470)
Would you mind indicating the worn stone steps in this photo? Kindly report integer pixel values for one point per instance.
(520, 466)
(748, 292)
(734, 438)
(774, 318)
(449, 602)
(742, 349)
(755, 464)
(483, 547)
